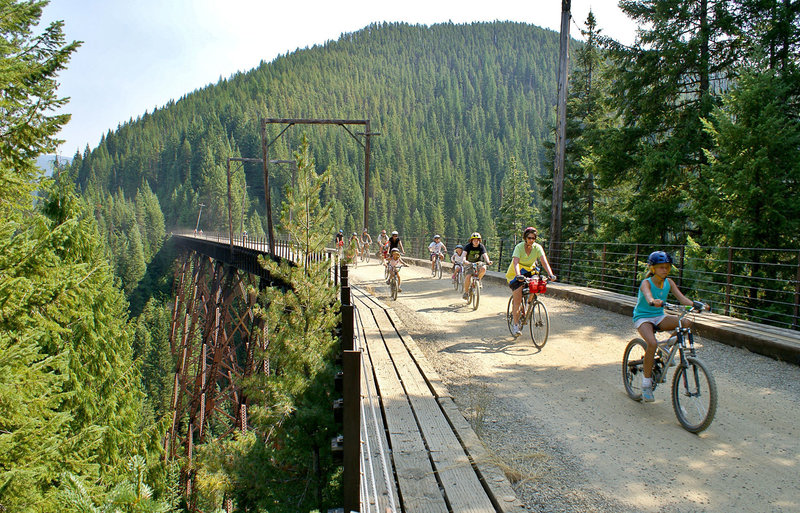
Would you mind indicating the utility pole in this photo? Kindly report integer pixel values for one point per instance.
(561, 136)
(198, 218)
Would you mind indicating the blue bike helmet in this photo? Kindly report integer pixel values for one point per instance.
(659, 257)
(459, 247)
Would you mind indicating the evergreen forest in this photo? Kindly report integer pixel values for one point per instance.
(691, 135)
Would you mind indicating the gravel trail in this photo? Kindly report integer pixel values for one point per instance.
(570, 438)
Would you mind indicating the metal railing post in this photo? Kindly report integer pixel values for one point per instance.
(351, 417)
(796, 294)
(635, 268)
(603, 267)
(569, 262)
(500, 257)
(728, 286)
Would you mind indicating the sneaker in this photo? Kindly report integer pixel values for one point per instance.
(515, 332)
(647, 395)
(465, 296)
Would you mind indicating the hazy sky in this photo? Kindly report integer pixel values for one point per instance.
(139, 54)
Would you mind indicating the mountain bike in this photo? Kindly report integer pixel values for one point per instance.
(394, 287)
(531, 311)
(458, 278)
(437, 265)
(365, 252)
(694, 391)
(475, 286)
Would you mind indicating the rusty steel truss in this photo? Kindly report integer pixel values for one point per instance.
(214, 336)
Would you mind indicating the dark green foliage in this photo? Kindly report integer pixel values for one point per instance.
(662, 86)
(453, 104)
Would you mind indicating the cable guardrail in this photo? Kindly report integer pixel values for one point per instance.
(756, 284)
(369, 489)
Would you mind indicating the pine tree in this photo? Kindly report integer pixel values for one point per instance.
(516, 210)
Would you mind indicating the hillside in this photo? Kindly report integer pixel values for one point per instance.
(453, 103)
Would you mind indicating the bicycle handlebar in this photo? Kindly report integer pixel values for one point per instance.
(697, 307)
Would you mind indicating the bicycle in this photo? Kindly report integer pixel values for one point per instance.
(340, 249)
(458, 278)
(394, 288)
(694, 391)
(475, 286)
(531, 311)
(365, 252)
(437, 266)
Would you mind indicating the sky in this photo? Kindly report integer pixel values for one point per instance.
(137, 55)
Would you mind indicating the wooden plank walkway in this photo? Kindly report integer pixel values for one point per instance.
(438, 463)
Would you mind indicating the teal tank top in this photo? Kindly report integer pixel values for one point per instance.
(643, 309)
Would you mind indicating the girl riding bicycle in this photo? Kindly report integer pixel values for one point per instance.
(458, 259)
(395, 263)
(523, 263)
(649, 316)
(437, 250)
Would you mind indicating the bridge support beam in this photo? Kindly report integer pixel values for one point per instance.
(213, 337)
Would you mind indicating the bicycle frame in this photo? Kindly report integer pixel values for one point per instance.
(676, 343)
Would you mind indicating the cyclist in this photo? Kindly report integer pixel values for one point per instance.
(383, 243)
(474, 252)
(396, 243)
(366, 240)
(395, 263)
(353, 246)
(458, 259)
(522, 266)
(339, 241)
(437, 250)
(648, 314)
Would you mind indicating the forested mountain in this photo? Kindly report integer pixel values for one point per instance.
(453, 104)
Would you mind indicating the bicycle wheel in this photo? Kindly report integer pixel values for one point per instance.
(539, 324)
(385, 271)
(455, 281)
(476, 293)
(366, 254)
(523, 305)
(439, 267)
(633, 368)
(694, 396)
(393, 288)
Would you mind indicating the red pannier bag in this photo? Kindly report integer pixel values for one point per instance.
(537, 285)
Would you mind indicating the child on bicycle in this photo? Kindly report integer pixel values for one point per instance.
(437, 249)
(522, 266)
(649, 316)
(395, 263)
(475, 254)
(458, 259)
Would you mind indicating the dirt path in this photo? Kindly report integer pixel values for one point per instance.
(572, 439)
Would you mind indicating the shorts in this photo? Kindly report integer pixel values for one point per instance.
(517, 283)
(654, 320)
(470, 269)
(433, 254)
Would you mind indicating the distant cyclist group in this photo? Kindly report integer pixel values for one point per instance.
(469, 261)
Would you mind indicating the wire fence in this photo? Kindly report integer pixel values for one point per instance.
(759, 285)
